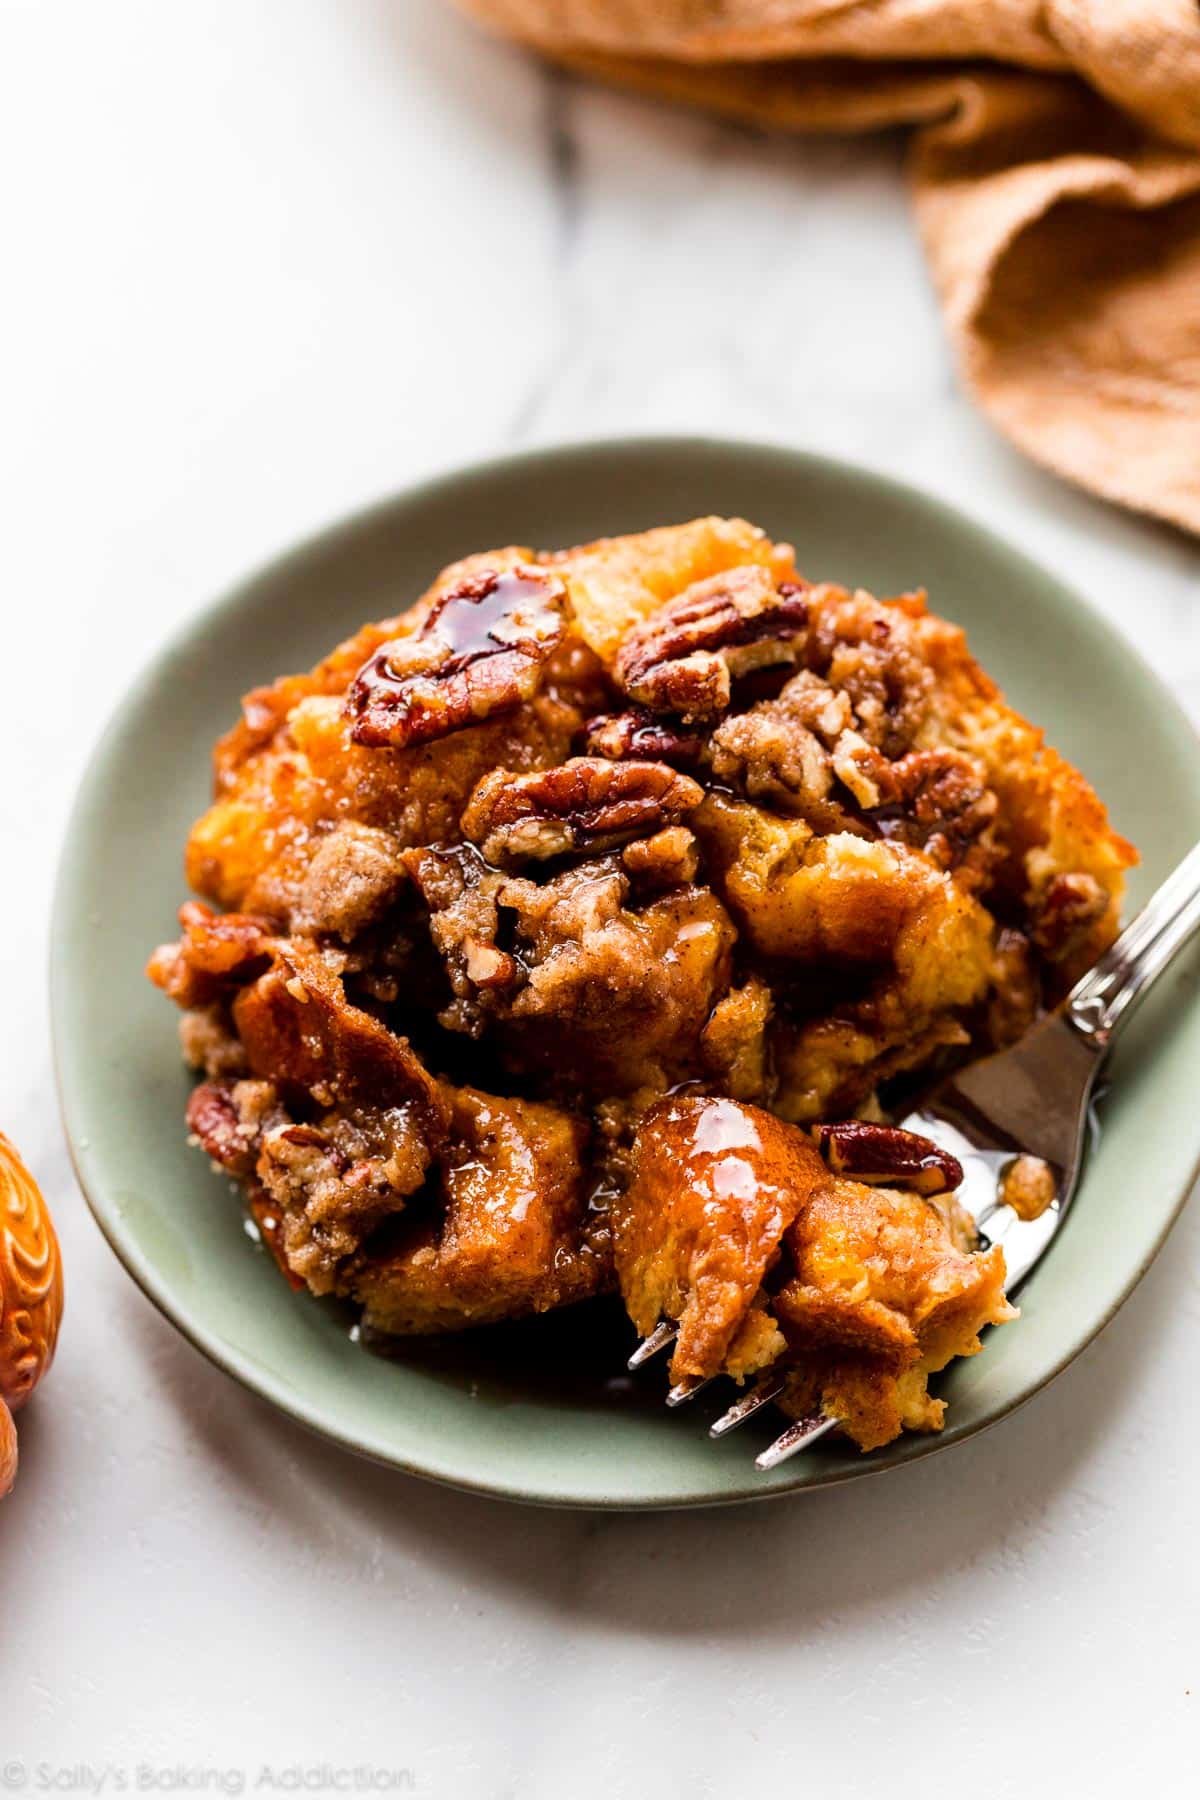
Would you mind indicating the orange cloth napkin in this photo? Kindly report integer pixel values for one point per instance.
(1056, 174)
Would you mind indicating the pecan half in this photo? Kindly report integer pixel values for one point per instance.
(887, 1155)
(584, 804)
(683, 659)
(480, 650)
(637, 736)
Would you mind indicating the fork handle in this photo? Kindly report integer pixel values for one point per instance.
(1097, 1004)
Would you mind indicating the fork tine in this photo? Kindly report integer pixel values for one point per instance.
(687, 1389)
(747, 1406)
(797, 1437)
(663, 1334)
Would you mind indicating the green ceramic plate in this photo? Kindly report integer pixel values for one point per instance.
(543, 1412)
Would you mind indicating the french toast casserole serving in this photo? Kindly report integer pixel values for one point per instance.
(570, 932)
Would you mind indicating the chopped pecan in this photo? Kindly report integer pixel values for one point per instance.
(670, 858)
(1065, 914)
(770, 757)
(486, 966)
(584, 804)
(331, 1199)
(887, 1155)
(464, 898)
(936, 801)
(637, 736)
(867, 650)
(786, 752)
(217, 952)
(311, 1137)
(480, 650)
(212, 1118)
(860, 768)
(223, 944)
(684, 658)
(228, 1120)
(811, 702)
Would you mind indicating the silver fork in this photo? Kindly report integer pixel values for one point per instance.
(1033, 1099)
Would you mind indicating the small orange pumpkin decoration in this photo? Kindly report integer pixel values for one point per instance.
(31, 1297)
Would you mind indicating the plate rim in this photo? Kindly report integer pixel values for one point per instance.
(261, 1381)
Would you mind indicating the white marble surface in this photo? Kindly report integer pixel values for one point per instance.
(265, 261)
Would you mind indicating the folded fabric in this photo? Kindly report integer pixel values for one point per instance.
(1056, 175)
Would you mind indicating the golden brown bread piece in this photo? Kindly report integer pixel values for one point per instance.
(881, 1298)
(433, 1208)
(867, 1293)
(715, 1186)
(298, 1029)
(511, 1233)
(588, 826)
(912, 950)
